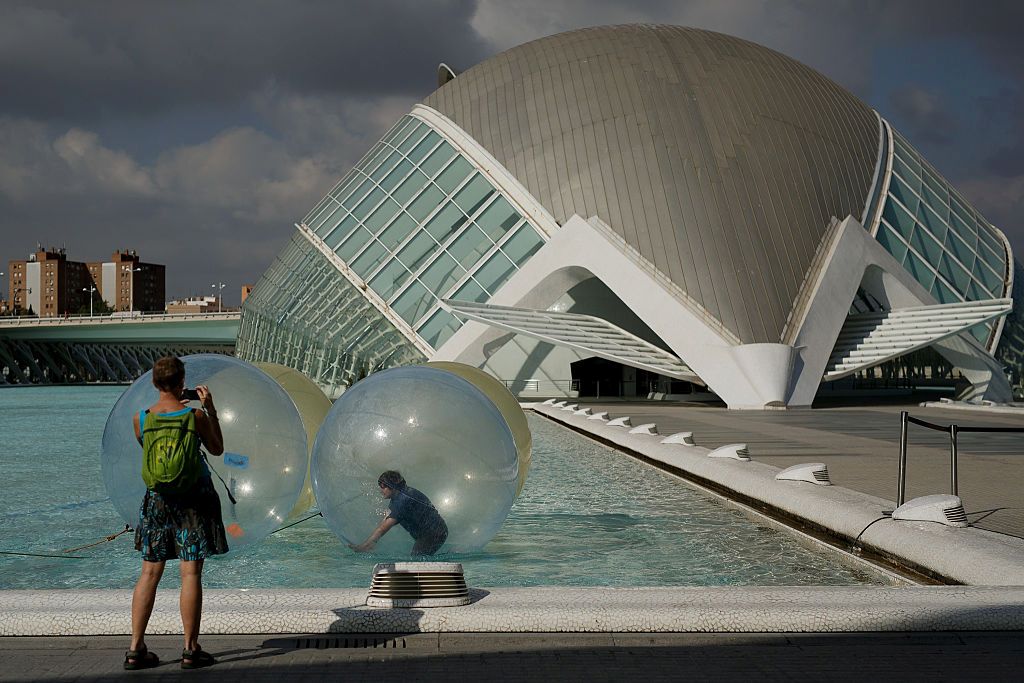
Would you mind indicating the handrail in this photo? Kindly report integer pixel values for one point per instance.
(953, 430)
(59, 321)
(538, 385)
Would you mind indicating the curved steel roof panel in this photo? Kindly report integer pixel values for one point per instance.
(719, 160)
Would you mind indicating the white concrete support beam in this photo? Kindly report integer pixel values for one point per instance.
(751, 376)
(853, 259)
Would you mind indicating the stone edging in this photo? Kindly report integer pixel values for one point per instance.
(531, 610)
(969, 556)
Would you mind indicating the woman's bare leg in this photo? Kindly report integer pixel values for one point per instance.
(191, 601)
(142, 601)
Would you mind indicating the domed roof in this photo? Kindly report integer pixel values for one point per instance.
(719, 160)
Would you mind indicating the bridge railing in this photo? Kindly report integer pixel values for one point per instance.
(138, 317)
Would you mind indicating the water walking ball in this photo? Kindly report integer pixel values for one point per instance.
(313, 405)
(445, 437)
(264, 461)
(504, 401)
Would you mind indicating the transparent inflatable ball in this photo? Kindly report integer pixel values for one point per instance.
(447, 440)
(313, 405)
(265, 455)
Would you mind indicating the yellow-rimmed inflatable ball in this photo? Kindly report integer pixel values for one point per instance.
(313, 406)
(450, 444)
(505, 402)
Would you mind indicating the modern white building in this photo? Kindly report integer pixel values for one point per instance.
(645, 201)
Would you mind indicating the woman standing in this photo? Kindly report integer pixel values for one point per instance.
(180, 516)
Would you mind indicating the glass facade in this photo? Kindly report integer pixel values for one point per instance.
(304, 313)
(939, 238)
(417, 223)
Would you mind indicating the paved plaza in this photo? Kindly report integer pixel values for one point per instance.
(860, 445)
(991, 656)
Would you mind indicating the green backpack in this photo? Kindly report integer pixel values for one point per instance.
(171, 460)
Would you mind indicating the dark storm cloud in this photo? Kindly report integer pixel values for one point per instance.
(993, 26)
(926, 114)
(77, 59)
(1007, 159)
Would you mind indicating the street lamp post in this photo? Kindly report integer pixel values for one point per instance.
(131, 288)
(91, 289)
(220, 294)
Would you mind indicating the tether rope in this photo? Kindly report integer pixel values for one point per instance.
(106, 539)
(304, 519)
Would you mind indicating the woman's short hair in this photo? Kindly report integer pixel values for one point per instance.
(391, 479)
(168, 373)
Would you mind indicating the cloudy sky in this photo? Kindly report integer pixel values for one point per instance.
(198, 132)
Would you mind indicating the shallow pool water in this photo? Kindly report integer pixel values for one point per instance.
(588, 516)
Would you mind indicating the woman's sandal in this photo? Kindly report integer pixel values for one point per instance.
(140, 659)
(197, 658)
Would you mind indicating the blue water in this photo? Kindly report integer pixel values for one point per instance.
(588, 516)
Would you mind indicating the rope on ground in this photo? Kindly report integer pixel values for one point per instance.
(304, 519)
(106, 539)
(63, 557)
(65, 553)
(111, 537)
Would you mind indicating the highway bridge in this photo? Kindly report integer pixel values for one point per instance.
(115, 348)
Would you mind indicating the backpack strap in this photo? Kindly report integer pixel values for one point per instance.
(142, 424)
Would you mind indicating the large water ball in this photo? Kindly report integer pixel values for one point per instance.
(313, 405)
(264, 461)
(506, 403)
(445, 437)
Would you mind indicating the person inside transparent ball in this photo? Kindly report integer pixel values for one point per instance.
(412, 510)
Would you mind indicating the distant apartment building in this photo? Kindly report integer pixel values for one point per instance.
(127, 284)
(246, 291)
(49, 285)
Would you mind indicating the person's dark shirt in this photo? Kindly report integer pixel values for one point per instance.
(415, 513)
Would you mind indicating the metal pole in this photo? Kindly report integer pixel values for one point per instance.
(953, 429)
(903, 459)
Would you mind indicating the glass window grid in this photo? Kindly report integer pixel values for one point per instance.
(347, 178)
(415, 281)
(419, 224)
(443, 247)
(280, 326)
(469, 276)
(385, 198)
(317, 210)
(956, 226)
(406, 138)
(952, 196)
(347, 191)
(906, 247)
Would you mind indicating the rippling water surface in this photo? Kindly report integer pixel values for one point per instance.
(588, 516)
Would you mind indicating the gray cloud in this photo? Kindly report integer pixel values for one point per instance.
(924, 111)
(85, 59)
(197, 132)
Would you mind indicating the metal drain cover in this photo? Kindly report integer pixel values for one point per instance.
(418, 584)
